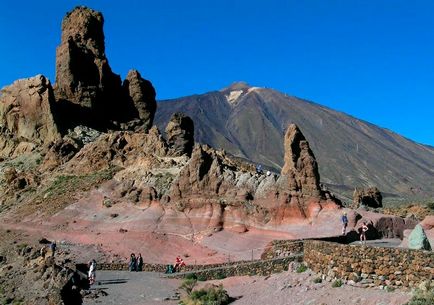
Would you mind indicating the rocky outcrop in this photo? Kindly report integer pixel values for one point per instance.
(180, 134)
(83, 75)
(370, 197)
(300, 169)
(26, 119)
(141, 94)
(87, 90)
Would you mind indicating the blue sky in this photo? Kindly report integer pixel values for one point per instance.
(371, 59)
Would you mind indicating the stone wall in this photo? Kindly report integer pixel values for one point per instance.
(214, 271)
(257, 267)
(370, 266)
(282, 248)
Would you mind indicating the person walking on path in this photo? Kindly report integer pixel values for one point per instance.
(344, 220)
(132, 265)
(139, 262)
(92, 272)
(363, 230)
(53, 247)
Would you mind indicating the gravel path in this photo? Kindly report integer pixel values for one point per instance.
(133, 288)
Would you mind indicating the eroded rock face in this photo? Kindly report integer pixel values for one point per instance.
(300, 169)
(370, 197)
(141, 94)
(87, 90)
(180, 134)
(26, 118)
(83, 75)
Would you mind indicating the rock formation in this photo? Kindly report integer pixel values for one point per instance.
(26, 119)
(180, 134)
(370, 197)
(141, 95)
(300, 168)
(87, 90)
(83, 75)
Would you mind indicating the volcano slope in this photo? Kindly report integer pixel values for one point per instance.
(249, 122)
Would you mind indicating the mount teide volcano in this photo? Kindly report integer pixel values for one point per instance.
(249, 122)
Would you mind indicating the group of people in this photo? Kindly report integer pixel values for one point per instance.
(362, 229)
(179, 262)
(135, 263)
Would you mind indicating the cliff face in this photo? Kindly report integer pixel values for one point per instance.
(26, 119)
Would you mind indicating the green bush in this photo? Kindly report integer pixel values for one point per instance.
(188, 285)
(430, 205)
(220, 276)
(422, 298)
(337, 283)
(215, 295)
(301, 268)
(201, 277)
(191, 276)
(317, 280)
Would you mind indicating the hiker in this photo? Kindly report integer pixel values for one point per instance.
(132, 265)
(53, 248)
(43, 251)
(344, 219)
(139, 262)
(363, 230)
(92, 272)
(178, 264)
(259, 169)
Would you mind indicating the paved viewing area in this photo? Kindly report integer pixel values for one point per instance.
(128, 288)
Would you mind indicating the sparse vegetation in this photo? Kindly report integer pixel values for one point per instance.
(422, 298)
(301, 268)
(337, 283)
(191, 276)
(430, 205)
(220, 276)
(215, 295)
(317, 280)
(188, 285)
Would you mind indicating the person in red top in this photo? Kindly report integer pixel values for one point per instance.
(178, 264)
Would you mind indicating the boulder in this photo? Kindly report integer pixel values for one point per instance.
(418, 240)
(180, 134)
(26, 119)
(370, 197)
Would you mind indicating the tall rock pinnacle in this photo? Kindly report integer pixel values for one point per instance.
(83, 75)
(86, 87)
(300, 168)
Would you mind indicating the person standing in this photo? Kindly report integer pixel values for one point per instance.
(53, 247)
(92, 272)
(139, 262)
(132, 264)
(363, 230)
(344, 220)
